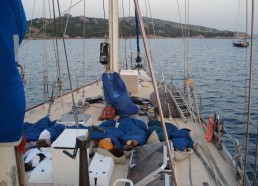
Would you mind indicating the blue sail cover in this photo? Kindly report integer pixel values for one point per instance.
(12, 98)
(116, 94)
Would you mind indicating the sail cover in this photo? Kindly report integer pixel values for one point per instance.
(12, 99)
(116, 94)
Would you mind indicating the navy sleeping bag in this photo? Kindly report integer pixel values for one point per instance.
(110, 132)
(128, 129)
(134, 129)
(32, 131)
(180, 137)
(116, 94)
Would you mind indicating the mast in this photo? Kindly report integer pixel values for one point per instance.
(113, 34)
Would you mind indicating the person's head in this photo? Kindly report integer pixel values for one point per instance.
(43, 143)
(117, 152)
(106, 144)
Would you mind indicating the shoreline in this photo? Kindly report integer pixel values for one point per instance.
(148, 37)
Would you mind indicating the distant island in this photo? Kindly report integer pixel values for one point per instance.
(97, 27)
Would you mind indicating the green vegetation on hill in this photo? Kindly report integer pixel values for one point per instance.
(96, 27)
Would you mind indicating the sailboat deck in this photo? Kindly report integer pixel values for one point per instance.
(190, 170)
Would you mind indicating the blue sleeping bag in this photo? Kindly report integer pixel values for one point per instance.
(128, 129)
(156, 125)
(116, 94)
(111, 132)
(181, 138)
(12, 109)
(32, 131)
(57, 129)
(133, 129)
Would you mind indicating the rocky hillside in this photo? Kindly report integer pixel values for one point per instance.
(96, 27)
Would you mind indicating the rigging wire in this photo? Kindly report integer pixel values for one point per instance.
(55, 52)
(246, 77)
(29, 34)
(83, 48)
(171, 164)
(124, 39)
(39, 30)
(246, 20)
(186, 34)
(180, 20)
(57, 49)
(148, 32)
(45, 61)
(187, 40)
(237, 25)
(249, 94)
(156, 44)
(51, 99)
(184, 39)
(59, 82)
(256, 154)
(104, 14)
(68, 16)
(186, 27)
(131, 51)
(68, 69)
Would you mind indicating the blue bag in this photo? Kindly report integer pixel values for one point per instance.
(116, 94)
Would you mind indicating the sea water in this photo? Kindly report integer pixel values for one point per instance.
(219, 70)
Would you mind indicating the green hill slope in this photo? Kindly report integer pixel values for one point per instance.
(96, 27)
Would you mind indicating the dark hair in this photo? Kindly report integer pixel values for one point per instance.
(117, 152)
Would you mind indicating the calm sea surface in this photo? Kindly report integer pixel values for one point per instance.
(218, 69)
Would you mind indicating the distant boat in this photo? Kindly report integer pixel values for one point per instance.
(240, 43)
(240, 39)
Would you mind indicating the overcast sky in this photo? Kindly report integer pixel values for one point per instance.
(218, 14)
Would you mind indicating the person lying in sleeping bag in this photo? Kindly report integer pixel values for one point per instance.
(134, 132)
(180, 137)
(44, 132)
(111, 131)
(129, 133)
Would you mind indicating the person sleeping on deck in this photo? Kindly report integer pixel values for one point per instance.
(127, 135)
(44, 132)
(180, 137)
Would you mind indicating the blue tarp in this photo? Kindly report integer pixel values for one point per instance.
(12, 105)
(116, 94)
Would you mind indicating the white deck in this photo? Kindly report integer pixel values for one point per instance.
(199, 173)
